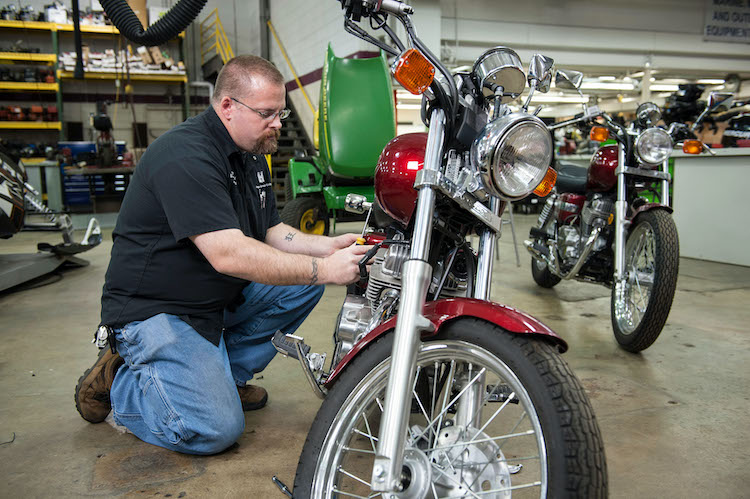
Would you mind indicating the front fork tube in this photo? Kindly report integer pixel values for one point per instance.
(487, 248)
(665, 184)
(621, 211)
(469, 404)
(417, 275)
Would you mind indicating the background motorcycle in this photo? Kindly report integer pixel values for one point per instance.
(433, 390)
(598, 228)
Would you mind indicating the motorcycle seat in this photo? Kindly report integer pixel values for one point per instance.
(570, 177)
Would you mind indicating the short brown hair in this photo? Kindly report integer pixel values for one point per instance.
(235, 76)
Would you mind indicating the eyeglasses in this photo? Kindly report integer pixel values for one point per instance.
(282, 114)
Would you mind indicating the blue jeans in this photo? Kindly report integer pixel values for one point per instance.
(179, 391)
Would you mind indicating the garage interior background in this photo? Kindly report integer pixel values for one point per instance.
(616, 44)
(630, 52)
(672, 417)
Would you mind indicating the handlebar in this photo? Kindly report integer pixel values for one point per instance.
(377, 11)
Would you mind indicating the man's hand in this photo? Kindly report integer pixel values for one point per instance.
(341, 267)
(341, 242)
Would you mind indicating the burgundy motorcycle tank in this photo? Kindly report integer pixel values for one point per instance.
(397, 168)
(601, 175)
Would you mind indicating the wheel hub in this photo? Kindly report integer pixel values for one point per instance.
(418, 473)
(466, 459)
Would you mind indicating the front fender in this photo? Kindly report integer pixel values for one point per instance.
(442, 311)
(647, 207)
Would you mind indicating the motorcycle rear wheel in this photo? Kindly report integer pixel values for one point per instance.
(529, 409)
(652, 260)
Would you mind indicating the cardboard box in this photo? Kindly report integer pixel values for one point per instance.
(156, 55)
(145, 55)
(139, 8)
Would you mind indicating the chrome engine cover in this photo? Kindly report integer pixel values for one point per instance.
(569, 239)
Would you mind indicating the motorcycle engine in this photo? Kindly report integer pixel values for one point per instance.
(362, 313)
(598, 208)
(569, 238)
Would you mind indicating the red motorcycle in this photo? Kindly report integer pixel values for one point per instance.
(433, 390)
(597, 226)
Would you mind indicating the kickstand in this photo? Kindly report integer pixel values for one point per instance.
(281, 486)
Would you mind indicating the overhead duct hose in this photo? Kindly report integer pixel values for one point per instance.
(172, 24)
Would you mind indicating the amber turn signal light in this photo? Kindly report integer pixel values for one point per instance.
(692, 147)
(547, 183)
(414, 72)
(599, 134)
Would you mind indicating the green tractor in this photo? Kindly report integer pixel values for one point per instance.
(355, 120)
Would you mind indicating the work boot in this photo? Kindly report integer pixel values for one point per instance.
(92, 391)
(252, 397)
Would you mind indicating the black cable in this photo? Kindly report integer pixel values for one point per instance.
(78, 71)
(355, 30)
(172, 24)
(434, 60)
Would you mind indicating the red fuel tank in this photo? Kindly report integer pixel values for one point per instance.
(601, 175)
(398, 165)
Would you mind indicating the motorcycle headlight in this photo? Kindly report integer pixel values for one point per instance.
(653, 146)
(512, 154)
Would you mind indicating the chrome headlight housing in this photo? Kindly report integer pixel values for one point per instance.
(653, 146)
(513, 154)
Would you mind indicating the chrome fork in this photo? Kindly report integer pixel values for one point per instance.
(665, 184)
(621, 210)
(389, 458)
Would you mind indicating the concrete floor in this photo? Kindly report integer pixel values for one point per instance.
(675, 419)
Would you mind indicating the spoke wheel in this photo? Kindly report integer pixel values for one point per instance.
(641, 303)
(484, 422)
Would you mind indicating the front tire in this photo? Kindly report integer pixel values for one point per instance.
(640, 305)
(529, 409)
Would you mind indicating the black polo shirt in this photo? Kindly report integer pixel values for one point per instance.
(191, 180)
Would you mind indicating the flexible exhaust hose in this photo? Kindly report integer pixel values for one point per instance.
(172, 24)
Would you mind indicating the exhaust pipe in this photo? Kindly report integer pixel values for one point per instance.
(542, 253)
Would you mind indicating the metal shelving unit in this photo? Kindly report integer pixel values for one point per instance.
(61, 75)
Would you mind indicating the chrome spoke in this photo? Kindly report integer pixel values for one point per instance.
(371, 437)
(447, 389)
(369, 432)
(482, 440)
(506, 489)
(419, 401)
(362, 451)
(347, 494)
(354, 477)
(453, 401)
(446, 475)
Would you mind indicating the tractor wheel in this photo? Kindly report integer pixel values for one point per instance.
(307, 214)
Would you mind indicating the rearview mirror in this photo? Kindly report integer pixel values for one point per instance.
(568, 79)
(540, 72)
(719, 99)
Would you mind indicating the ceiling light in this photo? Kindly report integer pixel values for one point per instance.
(565, 99)
(607, 78)
(711, 81)
(604, 85)
(664, 88)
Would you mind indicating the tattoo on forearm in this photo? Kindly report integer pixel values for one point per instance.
(290, 236)
(314, 277)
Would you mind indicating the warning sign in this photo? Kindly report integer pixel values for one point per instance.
(727, 21)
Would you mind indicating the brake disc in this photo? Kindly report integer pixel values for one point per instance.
(466, 459)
